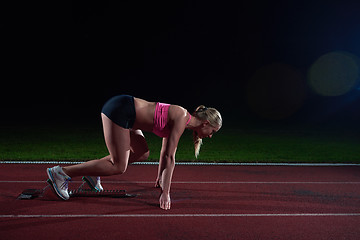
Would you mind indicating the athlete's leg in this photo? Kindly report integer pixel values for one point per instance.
(139, 148)
(117, 140)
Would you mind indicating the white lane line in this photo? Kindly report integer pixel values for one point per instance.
(236, 182)
(200, 163)
(190, 182)
(183, 215)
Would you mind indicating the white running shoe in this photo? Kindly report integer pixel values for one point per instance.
(59, 181)
(94, 183)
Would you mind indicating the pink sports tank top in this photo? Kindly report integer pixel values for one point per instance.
(161, 128)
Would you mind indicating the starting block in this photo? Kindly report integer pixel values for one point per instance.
(81, 191)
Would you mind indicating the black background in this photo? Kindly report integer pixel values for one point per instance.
(62, 62)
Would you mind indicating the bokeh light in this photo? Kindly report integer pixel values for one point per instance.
(276, 91)
(334, 74)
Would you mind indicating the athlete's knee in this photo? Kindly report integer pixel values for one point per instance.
(145, 156)
(145, 152)
(117, 167)
(120, 170)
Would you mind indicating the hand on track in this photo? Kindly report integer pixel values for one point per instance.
(165, 201)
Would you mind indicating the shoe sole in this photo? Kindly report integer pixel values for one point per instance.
(53, 185)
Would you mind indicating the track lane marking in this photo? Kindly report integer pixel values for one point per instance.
(182, 215)
(190, 182)
(199, 163)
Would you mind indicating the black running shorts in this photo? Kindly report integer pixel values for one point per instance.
(121, 110)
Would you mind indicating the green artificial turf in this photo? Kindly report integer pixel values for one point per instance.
(274, 145)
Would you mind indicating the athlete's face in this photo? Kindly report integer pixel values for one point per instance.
(207, 130)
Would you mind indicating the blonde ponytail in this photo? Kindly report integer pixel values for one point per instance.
(197, 144)
(205, 114)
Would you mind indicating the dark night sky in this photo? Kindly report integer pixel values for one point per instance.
(249, 59)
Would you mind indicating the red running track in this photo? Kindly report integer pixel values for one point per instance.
(208, 202)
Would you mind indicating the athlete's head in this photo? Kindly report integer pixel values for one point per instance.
(211, 123)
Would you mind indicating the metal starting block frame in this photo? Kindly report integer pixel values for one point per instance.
(89, 192)
(79, 192)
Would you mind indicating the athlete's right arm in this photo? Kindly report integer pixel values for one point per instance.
(167, 162)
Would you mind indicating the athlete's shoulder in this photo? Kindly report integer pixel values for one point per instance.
(177, 111)
(178, 115)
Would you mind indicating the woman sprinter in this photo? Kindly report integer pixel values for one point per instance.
(124, 118)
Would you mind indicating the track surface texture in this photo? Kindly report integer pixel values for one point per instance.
(208, 202)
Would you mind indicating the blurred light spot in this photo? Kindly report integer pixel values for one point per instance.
(276, 91)
(334, 74)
